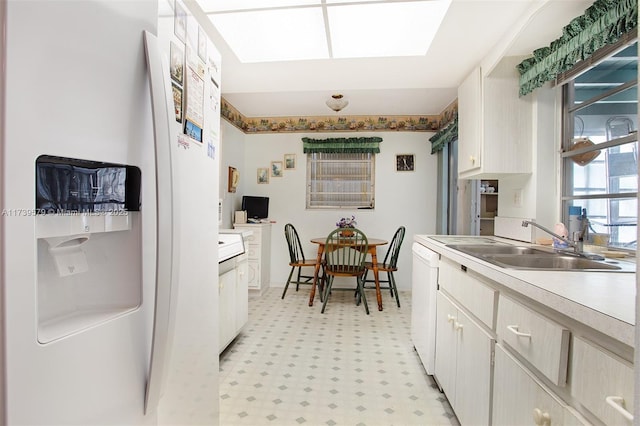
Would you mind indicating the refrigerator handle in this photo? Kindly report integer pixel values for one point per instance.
(167, 249)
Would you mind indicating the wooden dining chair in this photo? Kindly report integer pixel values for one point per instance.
(388, 265)
(297, 260)
(344, 257)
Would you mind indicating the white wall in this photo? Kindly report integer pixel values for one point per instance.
(231, 154)
(402, 198)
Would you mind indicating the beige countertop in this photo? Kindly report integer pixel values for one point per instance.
(604, 301)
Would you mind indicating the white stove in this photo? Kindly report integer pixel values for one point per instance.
(229, 246)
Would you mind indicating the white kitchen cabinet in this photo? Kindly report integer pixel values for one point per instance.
(227, 315)
(521, 399)
(494, 124)
(470, 123)
(463, 362)
(233, 299)
(258, 245)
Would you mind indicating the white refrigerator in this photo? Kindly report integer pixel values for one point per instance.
(109, 214)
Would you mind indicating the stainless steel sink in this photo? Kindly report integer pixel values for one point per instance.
(499, 249)
(529, 258)
(553, 262)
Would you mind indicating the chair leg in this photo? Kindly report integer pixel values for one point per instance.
(326, 295)
(288, 281)
(364, 277)
(361, 291)
(321, 282)
(390, 285)
(298, 282)
(394, 288)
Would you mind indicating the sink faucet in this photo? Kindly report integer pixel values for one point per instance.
(577, 241)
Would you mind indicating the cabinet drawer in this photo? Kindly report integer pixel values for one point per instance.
(542, 342)
(600, 381)
(477, 297)
(253, 251)
(255, 237)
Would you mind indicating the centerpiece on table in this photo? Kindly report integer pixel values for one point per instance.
(347, 223)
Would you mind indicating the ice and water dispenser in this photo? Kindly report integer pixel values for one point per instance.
(89, 246)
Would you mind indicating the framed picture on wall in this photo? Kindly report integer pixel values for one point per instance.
(289, 161)
(263, 175)
(276, 169)
(234, 179)
(405, 162)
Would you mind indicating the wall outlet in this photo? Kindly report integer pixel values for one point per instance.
(517, 197)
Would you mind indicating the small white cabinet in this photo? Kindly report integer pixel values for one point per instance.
(233, 299)
(226, 317)
(258, 245)
(463, 362)
(494, 124)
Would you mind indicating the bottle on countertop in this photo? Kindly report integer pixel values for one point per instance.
(575, 221)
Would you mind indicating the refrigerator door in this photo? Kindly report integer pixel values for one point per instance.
(76, 86)
(167, 246)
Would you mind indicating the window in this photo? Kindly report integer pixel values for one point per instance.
(600, 144)
(340, 180)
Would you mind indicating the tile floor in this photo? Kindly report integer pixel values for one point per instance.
(292, 365)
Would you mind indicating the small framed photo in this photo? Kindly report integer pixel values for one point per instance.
(289, 161)
(405, 162)
(263, 175)
(276, 169)
(177, 101)
(176, 67)
(234, 179)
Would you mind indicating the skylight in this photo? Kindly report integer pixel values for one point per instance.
(284, 30)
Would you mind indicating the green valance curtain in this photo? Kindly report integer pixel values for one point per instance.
(605, 22)
(444, 136)
(342, 145)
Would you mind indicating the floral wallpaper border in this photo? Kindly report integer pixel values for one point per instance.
(340, 123)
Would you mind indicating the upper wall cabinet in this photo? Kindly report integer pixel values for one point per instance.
(494, 124)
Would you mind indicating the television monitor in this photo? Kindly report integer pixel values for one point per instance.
(256, 207)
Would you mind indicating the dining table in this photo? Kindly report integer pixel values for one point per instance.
(372, 249)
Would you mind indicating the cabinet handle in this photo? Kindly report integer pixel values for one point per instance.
(450, 318)
(541, 418)
(472, 159)
(457, 326)
(514, 330)
(617, 402)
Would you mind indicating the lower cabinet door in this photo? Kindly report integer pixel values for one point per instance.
(473, 372)
(463, 363)
(445, 368)
(226, 310)
(520, 399)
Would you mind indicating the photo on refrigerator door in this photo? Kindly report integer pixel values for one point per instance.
(193, 131)
(202, 44)
(177, 101)
(177, 63)
(180, 23)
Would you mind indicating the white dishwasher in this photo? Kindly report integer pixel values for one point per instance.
(424, 286)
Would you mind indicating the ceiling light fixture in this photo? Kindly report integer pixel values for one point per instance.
(337, 102)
